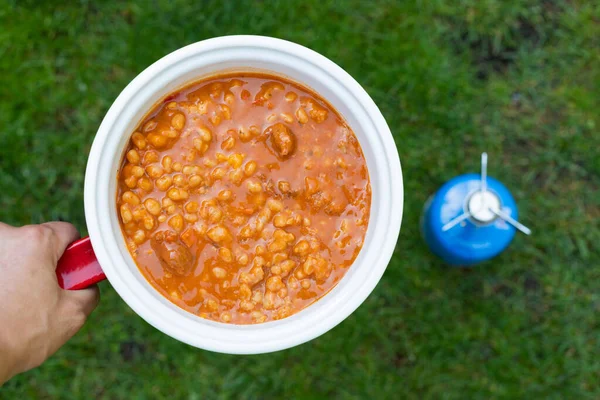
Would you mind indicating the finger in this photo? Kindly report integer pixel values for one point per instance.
(84, 300)
(73, 309)
(64, 233)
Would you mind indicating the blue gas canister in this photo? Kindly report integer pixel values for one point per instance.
(470, 219)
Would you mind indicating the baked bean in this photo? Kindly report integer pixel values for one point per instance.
(258, 317)
(190, 217)
(173, 194)
(317, 112)
(226, 317)
(302, 248)
(215, 119)
(257, 297)
(133, 156)
(228, 143)
(225, 254)
(179, 180)
(243, 259)
(280, 234)
(271, 212)
(225, 195)
(274, 205)
(138, 213)
(221, 157)
(219, 234)
(214, 214)
(260, 250)
(137, 171)
(225, 111)
(176, 222)
(150, 157)
(279, 257)
(148, 223)
(164, 183)
(239, 220)
(157, 140)
(126, 215)
(287, 266)
(235, 160)
(152, 206)
(131, 182)
(200, 145)
(269, 301)
(209, 163)
(219, 273)
(259, 199)
(245, 292)
(217, 173)
(170, 133)
(145, 184)
(250, 168)
(138, 140)
(189, 170)
(191, 155)
(154, 171)
(284, 187)
(149, 126)
(254, 187)
(229, 98)
(192, 207)
(246, 305)
(291, 97)
(244, 135)
(301, 115)
(276, 270)
(178, 121)
(254, 130)
(139, 237)
(277, 245)
(195, 181)
(282, 293)
(274, 284)
(167, 163)
(212, 305)
(236, 176)
(280, 221)
(130, 198)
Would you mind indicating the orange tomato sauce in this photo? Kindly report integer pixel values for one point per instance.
(243, 198)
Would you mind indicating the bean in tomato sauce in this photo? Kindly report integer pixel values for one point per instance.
(243, 198)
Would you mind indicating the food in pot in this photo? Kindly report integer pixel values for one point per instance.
(243, 198)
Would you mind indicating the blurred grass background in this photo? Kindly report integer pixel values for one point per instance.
(518, 79)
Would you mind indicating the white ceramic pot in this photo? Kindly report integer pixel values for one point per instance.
(192, 63)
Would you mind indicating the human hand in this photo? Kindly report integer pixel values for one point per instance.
(36, 316)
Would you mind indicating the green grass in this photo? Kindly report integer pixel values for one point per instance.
(518, 79)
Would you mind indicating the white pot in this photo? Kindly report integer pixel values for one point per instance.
(190, 64)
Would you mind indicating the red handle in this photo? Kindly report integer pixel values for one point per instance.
(78, 267)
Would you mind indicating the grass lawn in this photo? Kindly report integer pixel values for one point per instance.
(518, 79)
